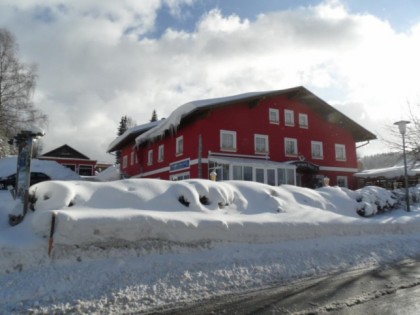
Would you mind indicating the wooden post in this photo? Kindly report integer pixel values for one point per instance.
(52, 229)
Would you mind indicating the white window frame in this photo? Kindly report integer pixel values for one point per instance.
(289, 117)
(303, 121)
(228, 133)
(125, 162)
(266, 146)
(340, 152)
(321, 150)
(132, 158)
(180, 176)
(150, 157)
(295, 145)
(345, 181)
(161, 153)
(274, 116)
(179, 146)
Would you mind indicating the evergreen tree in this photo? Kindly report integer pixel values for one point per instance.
(154, 116)
(121, 129)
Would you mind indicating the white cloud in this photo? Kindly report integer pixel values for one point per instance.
(96, 65)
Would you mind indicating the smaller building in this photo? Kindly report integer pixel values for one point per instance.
(71, 158)
(390, 177)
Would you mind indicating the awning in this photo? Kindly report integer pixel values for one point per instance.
(250, 162)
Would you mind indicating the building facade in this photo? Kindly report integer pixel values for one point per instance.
(72, 159)
(278, 137)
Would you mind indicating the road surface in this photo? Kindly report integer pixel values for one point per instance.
(387, 290)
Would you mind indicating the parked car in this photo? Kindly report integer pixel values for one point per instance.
(36, 177)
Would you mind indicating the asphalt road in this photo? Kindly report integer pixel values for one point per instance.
(387, 290)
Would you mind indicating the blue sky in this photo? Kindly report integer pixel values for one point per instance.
(400, 14)
(99, 60)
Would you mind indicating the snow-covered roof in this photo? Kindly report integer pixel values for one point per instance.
(130, 134)
(174, 119)
(390, 172)
(302, 94)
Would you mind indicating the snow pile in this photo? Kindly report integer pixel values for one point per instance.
(53, 169)
(136, 244)
(109, 174)
(196, 210)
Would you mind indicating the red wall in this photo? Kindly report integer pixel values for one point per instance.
(247, 121)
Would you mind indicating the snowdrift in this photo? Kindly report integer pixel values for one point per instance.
(196, 210)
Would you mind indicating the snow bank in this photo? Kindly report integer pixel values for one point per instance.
(130, 246)
(194, 210)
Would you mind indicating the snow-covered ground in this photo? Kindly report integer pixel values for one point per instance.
(136, 244)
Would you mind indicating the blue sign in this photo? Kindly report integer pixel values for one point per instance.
(176, 166)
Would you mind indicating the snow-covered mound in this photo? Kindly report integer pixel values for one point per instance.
(51, 168)
(131, 245)
(191, 210)
(109, 174)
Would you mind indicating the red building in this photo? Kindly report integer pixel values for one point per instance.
(72, 159)
(286, 136)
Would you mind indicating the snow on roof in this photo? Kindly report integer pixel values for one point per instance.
(133, 131)
(8, 166)
(389, 172)
(174, 119)
(413, 169)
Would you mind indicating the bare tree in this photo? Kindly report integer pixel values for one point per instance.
(412, 136)
(17, 83)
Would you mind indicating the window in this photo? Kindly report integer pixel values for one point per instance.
(261, 144)
(227, 140)
(290, 147)
(125, 161)
(342, 181)
(150, 157)
(132, 158)
(274, 116)
(340, 152)
(290, 175)
(85, 170)
(161, 153)
(180, 176)
(303, 121)
(179, 145)
(289, 117)
(317, 150)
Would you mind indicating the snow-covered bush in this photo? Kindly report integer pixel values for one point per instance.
(373, 200)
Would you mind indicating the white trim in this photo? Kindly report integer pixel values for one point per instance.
(265, 157)
(178, 152)
(171, 177)
(306, 120)
(229, 133)
(266, 144)
(63, 158)
(345, 178)
(295, 141)
(274, 110)
(161, 149)
(338, 169)
(321, 149)
(150, 157)
(167, 168)
(159, 170)
(340, 146)
(286, 123)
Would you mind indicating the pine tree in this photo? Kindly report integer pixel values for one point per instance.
(154, 116)
(121, 129)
